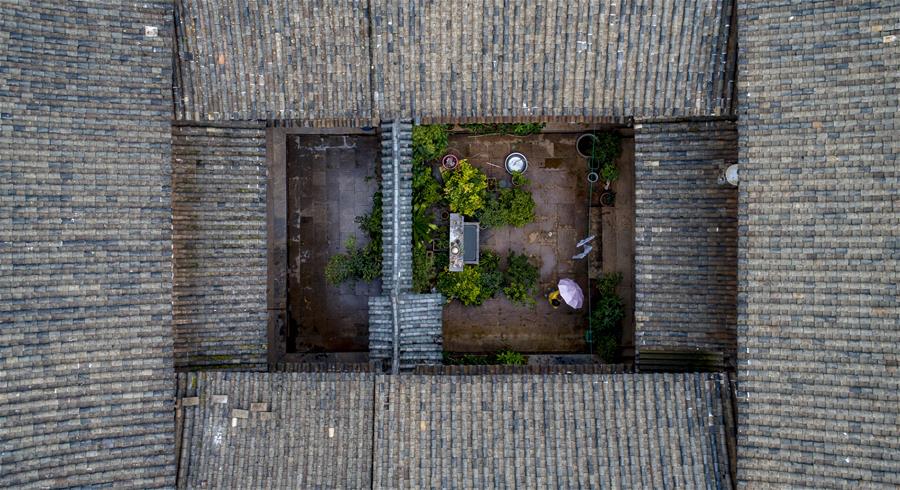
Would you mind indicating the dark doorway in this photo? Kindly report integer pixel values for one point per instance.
(330, 181)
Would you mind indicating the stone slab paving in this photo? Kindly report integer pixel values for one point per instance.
(331, 181)
(559, 187)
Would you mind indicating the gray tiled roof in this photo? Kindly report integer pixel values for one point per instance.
(303, 430)
(421, 336)
(414, 320)
(552, 431)
(85, 245)
(249, 60)
(396, 190)
(275, 430)
(219, 238)
(685, 237)
(332, 63)
(575, 59)
(819, 306)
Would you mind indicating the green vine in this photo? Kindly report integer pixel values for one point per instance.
(520, 129)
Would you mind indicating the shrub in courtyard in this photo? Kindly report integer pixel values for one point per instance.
(429, 142)
(517, 205)
(606, 313)
(422, 225)
(491, 277)
(464, 285)
(520, 279)
(509, 206)
(466, 189)
(423, 269)
(510, 358)
(609, 308)
(607, 148)
(356, 263)
(360, 263)
(606, 347)
(426, 190)
(475, 284)
(339, 269)
(493, 215)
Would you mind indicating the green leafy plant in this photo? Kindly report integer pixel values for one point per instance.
(475, 284)
(519, 129)
(339, 269)
(464, 285)
(606, 314)
(356, 263)
(606, 347)
(609, 173)
(429, 142)
(510, 358)
(493, 214)
(466, 189)
(519, 179)
(607, 147)
(466, 359)
(422, 225)
(520, 279)
(491, 276)
(360, 263)
(509, 206)
(517, 205)
(424, 271)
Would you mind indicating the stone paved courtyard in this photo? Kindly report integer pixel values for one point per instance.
(560, 190)
(330, 182)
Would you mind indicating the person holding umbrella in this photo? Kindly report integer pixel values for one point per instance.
(569, 291)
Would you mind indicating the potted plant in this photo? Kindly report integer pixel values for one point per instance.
(450, 161)
(608, 198)
(585, 144)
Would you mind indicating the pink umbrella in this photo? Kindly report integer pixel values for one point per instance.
(571, 293)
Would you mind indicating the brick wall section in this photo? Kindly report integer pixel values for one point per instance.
(85, 245)
(819, 319)
(552, 431)
(685, 237)
(576, 60)
(314, 431)
(219, 238)
(281, 59)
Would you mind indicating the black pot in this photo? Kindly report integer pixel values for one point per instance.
(585, 144)
(608, 198)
